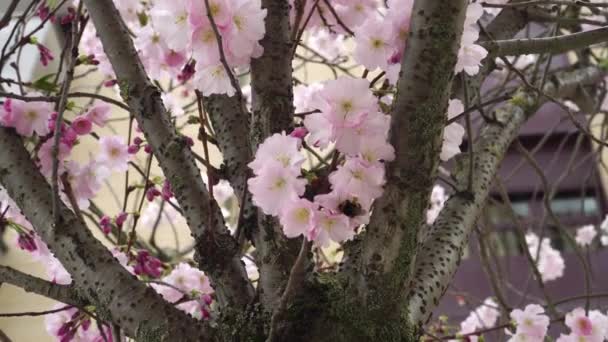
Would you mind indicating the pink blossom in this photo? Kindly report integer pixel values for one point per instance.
(114, 153)
(281, 149)
(246, 29)
(470, 54)
(437, 200)
(213, 79)
(550, 261)
(376, 149)
(171, 19)
(330, 227)
(45, 157)
(531, 324)
(351, 139)
(483, 317)
(357, 179)
(185, 279)
(345, 101)
(274, 186)
(297, 217)
(592, 328)
(453, 133)
(585, 235)
(86, 181)
(26, 117)
(374, 43)
(319, 130)
(303, 96)
(99, 114)
(82, 125)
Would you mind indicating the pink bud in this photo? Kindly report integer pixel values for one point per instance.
(26, 242)
(187, 72)
(110, 83)
(152, 193)
(133, 149)
(82, 125)
(166, 191)
(105, 224)
(299, 132)
(121, 218)
(174, 59)
(45, 54)
(207, 299)
(137, 141)
(205, 313)
(148, 149)
(69, 137)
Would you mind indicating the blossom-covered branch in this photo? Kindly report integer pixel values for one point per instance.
(96, 273)
(222, 264)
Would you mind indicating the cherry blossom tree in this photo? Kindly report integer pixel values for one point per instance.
(340, 210)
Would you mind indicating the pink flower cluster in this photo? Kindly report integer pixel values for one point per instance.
(186, 280)
(380, 41)
(583, 327)
(470, 54)
(74, 325)
(550, 262)
(585, 235)
(350, 119)
(180, 29)
(26, 118)
(531, 324)
(483, 317)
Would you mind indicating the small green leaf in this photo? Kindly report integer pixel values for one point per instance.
(193, 120)
(143, 18)
(52, 4)
(45, 83)
(603, 64)
(70, 105)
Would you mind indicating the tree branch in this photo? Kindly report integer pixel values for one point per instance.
(62, 293)
(95, 272)
(388, 246)
(272, 95)
(217, 252)
(8, 14)
(555, 45)
(440, 254)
